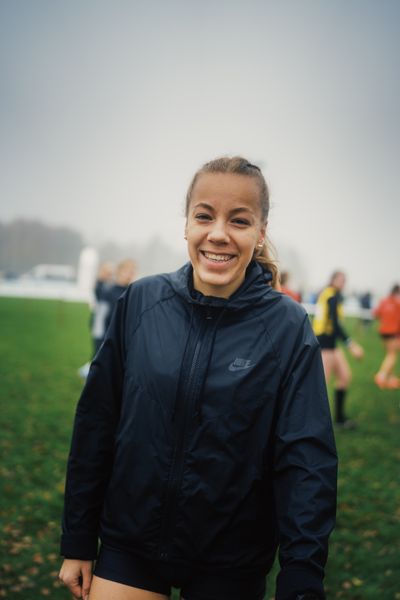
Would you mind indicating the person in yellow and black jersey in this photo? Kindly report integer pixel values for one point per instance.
(328, 328)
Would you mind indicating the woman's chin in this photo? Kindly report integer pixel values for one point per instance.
(216, 284)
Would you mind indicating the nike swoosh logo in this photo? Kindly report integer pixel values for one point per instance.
(234, 366)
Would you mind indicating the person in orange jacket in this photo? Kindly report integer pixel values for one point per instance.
(388, 314)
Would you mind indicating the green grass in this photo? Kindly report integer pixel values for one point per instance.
(43, 343)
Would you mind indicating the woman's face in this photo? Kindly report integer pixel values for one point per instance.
(223, 229)
(339, 281)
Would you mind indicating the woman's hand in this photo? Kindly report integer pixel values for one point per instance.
(77, 576)
(356, 350)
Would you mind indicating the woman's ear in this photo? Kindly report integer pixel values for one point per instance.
(263, 232)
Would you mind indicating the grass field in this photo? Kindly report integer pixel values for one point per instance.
(43, 343)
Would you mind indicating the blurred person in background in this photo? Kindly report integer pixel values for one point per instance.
(203, 436)
(285, 289)
(107, 291)
(99, 310)
(103, 285)
(124, 275)
(328, 327)
(388, 314)
(365, 301)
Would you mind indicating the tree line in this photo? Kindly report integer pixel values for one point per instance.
(25, 243)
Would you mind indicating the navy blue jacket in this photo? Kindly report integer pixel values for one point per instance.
(203, 434)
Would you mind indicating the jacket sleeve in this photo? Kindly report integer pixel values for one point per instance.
(91, 455)
(305, 470)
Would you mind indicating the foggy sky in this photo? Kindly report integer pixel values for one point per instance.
(108, 108)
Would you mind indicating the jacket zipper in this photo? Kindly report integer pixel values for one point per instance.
(178, 458)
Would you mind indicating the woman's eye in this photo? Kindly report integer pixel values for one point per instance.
(203, 217)
(241, 222)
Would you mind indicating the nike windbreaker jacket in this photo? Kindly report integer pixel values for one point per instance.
(203, 434)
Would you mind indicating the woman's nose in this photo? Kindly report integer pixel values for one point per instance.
(218, 233)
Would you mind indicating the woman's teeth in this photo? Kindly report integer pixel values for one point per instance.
(218, 257)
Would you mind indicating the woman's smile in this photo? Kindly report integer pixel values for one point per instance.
(217, 257)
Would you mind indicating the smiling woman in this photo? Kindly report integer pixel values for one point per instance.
(203, 438)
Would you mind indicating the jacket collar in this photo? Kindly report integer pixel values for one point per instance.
(253, 289)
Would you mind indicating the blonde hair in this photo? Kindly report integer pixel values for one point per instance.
(125, 271)
(241, 166)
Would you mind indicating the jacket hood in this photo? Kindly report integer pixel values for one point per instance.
(256, 285)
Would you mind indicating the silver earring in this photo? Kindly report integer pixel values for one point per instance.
(185, 237)
(260, 244)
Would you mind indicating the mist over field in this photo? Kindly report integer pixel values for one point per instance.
(107, 109)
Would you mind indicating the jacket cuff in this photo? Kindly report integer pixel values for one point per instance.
(292, 581)
(78, 546)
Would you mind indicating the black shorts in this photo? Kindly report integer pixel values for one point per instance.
(194, 583)
(389, 336)
(327, 342)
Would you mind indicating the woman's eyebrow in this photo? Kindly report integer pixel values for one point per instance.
(203, 205)
(234, 211)
(241, 209)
